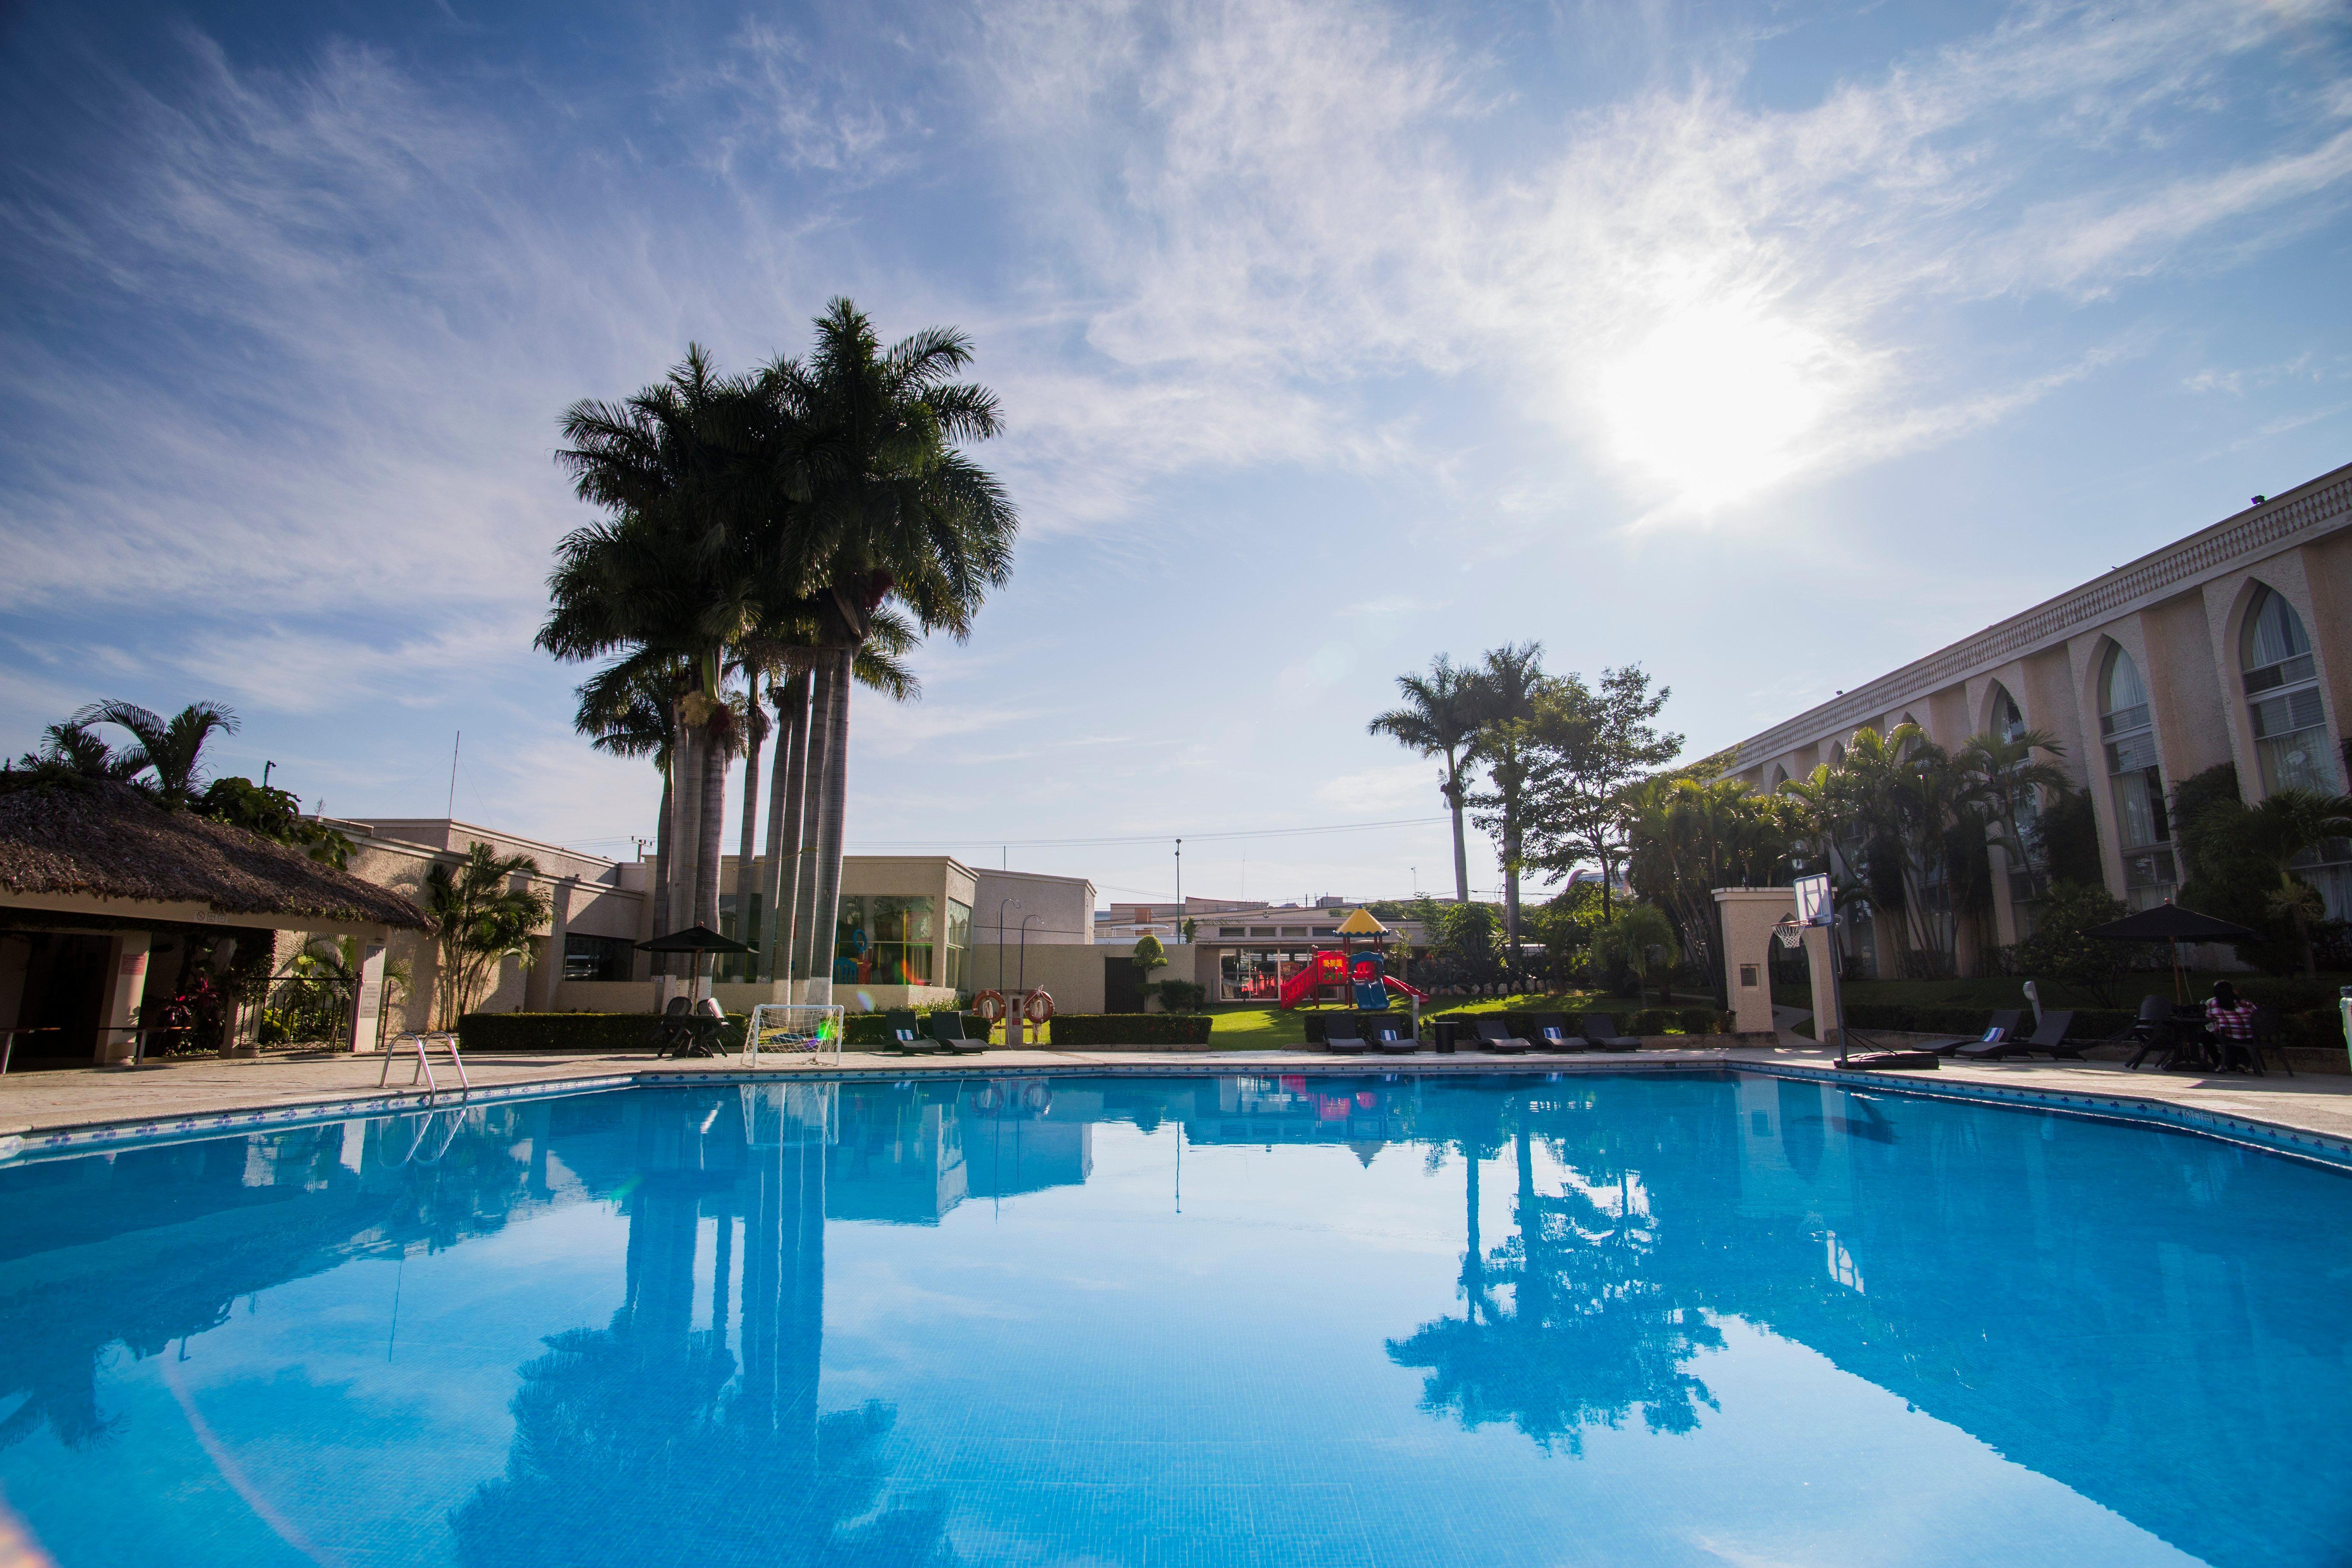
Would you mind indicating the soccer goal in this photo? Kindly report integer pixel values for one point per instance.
(793, 1028)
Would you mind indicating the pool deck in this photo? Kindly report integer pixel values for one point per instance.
(34, 1106)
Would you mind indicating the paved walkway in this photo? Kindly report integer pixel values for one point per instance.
(43, 1101)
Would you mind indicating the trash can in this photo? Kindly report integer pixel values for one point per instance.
(1444, 1032)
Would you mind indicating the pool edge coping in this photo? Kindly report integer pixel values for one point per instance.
(2246, 1132)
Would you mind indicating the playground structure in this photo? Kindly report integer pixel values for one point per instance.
(1352, 978)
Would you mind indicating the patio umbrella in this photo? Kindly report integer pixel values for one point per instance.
(2169, 924)
(697, 939)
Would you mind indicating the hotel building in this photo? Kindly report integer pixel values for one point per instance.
(2233, 645)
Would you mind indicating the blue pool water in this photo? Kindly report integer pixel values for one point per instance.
(1296, 1322)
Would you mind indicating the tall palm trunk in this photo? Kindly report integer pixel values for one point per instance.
(832, 818)
(661, 867)
(784, 824)
(1454, 789)
(806, 936)
(750, 907)
(712, 827)
(685, 837)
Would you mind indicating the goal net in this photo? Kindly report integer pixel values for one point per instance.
(793, 1028)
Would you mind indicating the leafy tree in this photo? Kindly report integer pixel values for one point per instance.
(1641, 939)
(1591, 743)
(1693, 831)
(2059, 951)
(1440, 718)
(2259, 848)
(482, 920)
(1149, 956)
(274, 814)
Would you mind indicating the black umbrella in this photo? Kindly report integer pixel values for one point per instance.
(693, 939)
(2169, 924)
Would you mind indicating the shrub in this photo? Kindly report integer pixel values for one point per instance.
(568, 1032)
(1181, 995)
(873, 1028)
(1131, 1029)
(1702, 1021)
(1649, 1021)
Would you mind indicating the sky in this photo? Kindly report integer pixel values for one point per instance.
(1767, 346)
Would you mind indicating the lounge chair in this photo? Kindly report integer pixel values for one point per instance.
(1600, 1032)
(946, 1032)
(2050, 1038)
(1494, 1034)
(1343, 1037)
(2003, 1018)
(903, 1032)
(1549, 1032)
(1389, 1036)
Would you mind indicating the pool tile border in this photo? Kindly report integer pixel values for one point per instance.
(2293, 1142)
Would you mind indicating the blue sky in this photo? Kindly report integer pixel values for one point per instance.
(1330, 337)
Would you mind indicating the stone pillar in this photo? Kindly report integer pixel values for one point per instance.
(539, 985)
(1747, 915)
(367, 1005)
(126, 988)
(1827, 1018)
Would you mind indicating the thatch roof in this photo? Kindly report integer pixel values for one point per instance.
(108, 841)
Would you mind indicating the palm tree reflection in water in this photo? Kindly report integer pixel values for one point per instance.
(1565, 1326)
(645, 1442)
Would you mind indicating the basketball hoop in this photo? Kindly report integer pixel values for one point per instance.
(1789, 930)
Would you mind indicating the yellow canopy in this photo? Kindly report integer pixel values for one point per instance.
(1361, 923)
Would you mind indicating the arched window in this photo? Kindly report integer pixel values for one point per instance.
(2283, 694)
(2008, 718)
(2129, 731)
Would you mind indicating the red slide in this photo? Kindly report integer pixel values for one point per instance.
(1299, 986)
(1401, 989)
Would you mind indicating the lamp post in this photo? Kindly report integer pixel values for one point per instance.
(1179, 889)
(1002, 905)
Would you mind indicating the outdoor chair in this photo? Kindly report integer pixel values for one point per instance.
(2152, 1032)
(1343, 1037)
(1600, 1032)
(1494, 1034)
(1388, 1035)
(674, 1031)
(2003, 1018)
(946, 1032)
(2268, 1037)
(1550, 1032)
(902, 1032)
(2050, 1038)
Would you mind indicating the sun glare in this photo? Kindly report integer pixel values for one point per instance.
(1717, 403)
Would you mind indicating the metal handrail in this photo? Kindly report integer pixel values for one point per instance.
(423, 1040)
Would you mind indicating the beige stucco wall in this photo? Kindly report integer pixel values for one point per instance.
(1057, 909)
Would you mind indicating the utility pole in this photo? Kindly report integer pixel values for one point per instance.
(1179, 889)
(453, 773)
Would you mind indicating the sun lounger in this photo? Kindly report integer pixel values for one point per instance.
(1391, 1036)
(1342, 1037)
(2050, 1038)
(946, 1032)
(2003, 1018)
(1601, 1031)
(1494, 1034)
(1549, 1032)
(903, 1032)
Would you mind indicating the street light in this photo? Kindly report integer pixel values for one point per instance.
(1002, 905)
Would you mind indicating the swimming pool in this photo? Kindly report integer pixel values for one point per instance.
(1654, 1319)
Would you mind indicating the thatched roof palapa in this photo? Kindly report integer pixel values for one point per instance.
(108, 841)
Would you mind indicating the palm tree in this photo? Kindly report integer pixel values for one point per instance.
(671, 571)
(70, 752)
(884, 504)
(173, 749)
(628, 709)
(1440, 718)
(1506, 688)
(2284, 829)
(2013, 784)
(482, 920)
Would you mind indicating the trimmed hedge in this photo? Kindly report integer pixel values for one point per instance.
(872, 1028)
(1130, 1029)
(493, 1032)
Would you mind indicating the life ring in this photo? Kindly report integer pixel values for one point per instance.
(989, 1101)
(990, 1005)
(1037, 1006)
(1036, 1096)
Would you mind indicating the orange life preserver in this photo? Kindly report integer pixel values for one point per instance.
(990, 1005)
(1037, 1006)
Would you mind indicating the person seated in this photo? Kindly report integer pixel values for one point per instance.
(2229, 1028)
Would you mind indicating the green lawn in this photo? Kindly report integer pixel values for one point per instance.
(1254, 1026)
